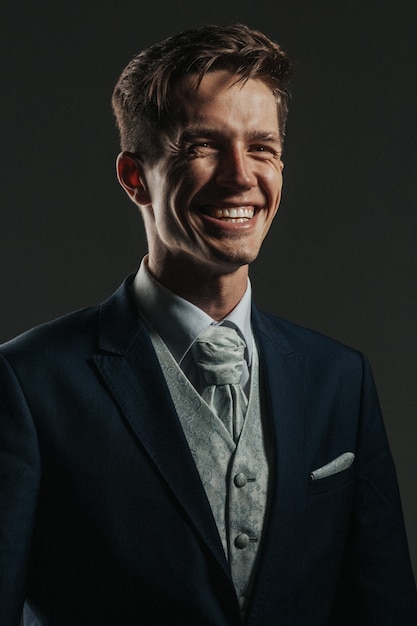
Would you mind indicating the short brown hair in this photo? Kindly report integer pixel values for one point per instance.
(143, 95)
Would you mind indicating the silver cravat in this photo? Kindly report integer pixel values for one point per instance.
(219, 354)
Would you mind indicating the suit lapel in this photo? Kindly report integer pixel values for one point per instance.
(283, 376)
(130, 369)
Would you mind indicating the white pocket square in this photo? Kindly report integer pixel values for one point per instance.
(339, 464)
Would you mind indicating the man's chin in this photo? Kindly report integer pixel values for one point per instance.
(229, 261)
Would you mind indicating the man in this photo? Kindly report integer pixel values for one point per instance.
(137, 486)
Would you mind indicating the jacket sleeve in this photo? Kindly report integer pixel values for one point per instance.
(377, 585)
(19, 485)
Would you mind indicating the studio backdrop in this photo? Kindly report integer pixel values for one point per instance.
(341, 256)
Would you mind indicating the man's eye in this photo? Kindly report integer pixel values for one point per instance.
(266, 152)
(201, 148)
(266, 149)
(206, 145)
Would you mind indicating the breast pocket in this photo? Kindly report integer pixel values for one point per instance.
(330, 483)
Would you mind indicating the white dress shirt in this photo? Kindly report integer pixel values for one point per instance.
(179, 322)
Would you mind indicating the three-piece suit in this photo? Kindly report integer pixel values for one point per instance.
(104, 520)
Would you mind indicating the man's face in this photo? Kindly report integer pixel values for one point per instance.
(214, 193)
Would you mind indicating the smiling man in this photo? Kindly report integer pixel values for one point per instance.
(174, 455)
(209, 200)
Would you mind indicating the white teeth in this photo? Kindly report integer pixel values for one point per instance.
(240, 213)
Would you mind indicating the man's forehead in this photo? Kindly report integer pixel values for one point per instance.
(192, 85)
(206, 102)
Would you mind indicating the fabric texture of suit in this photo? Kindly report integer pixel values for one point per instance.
(103, 517)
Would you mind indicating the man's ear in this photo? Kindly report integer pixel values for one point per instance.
(131, 177)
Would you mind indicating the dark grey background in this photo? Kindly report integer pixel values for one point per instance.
(341, 256)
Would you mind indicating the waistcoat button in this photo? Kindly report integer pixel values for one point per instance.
(240, 480)
(241, 541)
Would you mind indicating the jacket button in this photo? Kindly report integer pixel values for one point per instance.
(240, 480)
(241, 541)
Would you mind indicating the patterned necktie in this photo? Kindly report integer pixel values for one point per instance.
(219, 354)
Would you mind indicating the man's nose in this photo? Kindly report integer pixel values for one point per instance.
(235, 170)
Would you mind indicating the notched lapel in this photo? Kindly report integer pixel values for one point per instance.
(284, 384)
(130, 369)
(283, 374)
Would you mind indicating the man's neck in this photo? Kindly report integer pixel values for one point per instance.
(215, 293)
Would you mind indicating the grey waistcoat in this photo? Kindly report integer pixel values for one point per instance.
(234, 476)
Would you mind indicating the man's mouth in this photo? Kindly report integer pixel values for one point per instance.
(233, 214)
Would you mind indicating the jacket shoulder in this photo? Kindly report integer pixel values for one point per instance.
(291, 338)
(78, 328)
(301, 335)
(65, 330)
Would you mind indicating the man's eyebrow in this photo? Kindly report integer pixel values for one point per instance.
(196, 132)
(262, 135)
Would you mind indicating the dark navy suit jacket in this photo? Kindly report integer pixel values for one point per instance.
(104, 520)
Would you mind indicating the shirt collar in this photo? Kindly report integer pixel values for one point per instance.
(179, 322)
